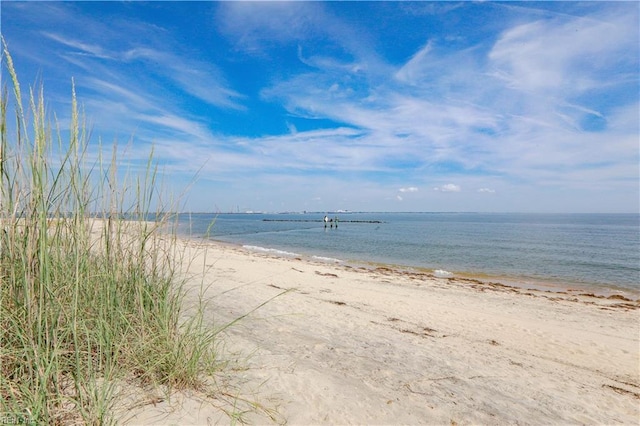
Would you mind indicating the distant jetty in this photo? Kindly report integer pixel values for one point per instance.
(320, 220)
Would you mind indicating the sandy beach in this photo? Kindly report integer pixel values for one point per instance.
(338, 344)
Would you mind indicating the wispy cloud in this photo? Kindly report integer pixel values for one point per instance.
(201, 80)
(79, 47)
(274, 97)
(565, 54)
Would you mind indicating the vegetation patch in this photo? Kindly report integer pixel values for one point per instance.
(90, 297)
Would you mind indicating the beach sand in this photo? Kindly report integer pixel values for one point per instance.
(351, 345)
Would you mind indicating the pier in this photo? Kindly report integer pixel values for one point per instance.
(320, 220)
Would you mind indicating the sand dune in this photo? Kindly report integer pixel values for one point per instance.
(346, 345)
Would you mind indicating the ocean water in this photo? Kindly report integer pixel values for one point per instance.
(596, 252)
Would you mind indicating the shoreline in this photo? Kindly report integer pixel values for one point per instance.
(343, 344)
(598, 290)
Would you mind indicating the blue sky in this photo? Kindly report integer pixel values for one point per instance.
(374, 106)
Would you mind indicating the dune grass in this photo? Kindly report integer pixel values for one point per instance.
(90, 295)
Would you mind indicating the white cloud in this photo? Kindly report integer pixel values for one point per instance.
(80, 47)
(202, 80)
(409, 189)
(511, 114)
(199, 79)
(450, 187)
(255, 25)
(565, 54)
(415, 69)
(292, 128)
(177, 124)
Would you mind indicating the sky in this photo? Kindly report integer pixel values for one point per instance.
(361, 106)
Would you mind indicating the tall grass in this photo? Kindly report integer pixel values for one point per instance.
(90, 295)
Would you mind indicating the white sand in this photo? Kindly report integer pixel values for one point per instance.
(354, 346)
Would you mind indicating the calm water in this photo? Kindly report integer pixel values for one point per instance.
(597, 251)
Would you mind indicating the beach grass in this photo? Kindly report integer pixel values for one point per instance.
(90, 293)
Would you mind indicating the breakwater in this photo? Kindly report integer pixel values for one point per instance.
(320, 220)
